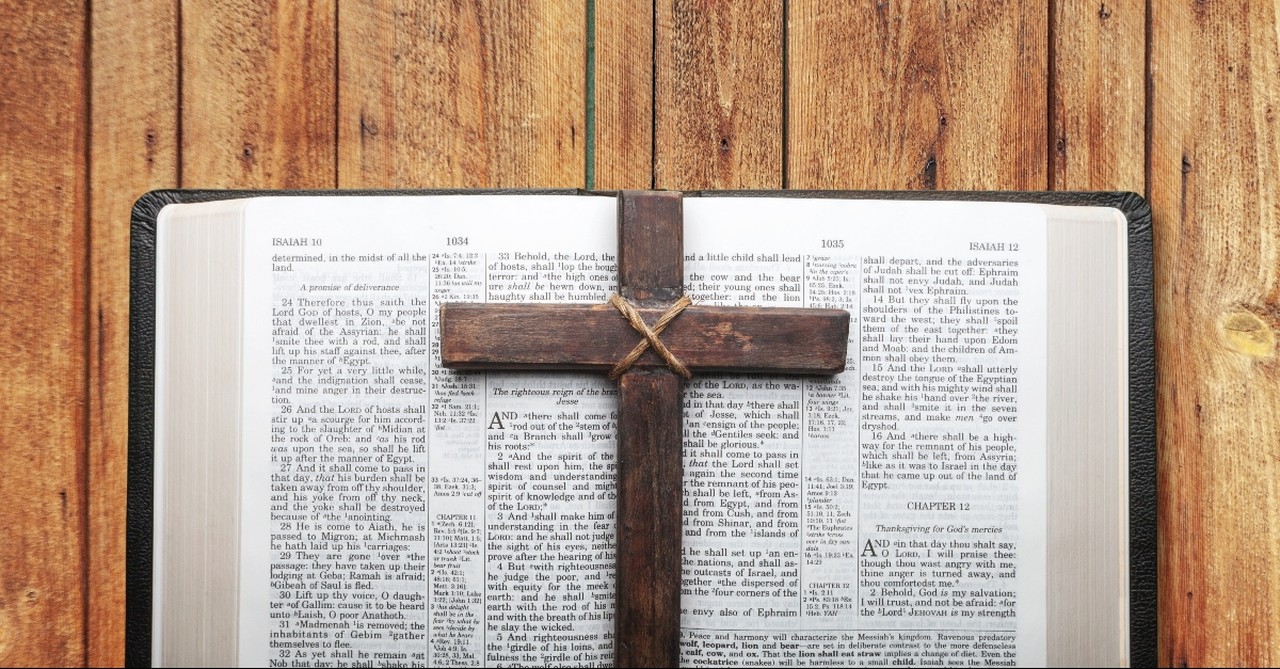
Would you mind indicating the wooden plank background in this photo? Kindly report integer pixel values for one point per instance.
(101, 101)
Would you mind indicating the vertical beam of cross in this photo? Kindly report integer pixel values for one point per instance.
(650, 460)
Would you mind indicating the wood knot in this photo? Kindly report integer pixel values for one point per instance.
(1246, 333)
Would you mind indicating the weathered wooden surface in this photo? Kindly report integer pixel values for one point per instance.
(622, 151)
(461, 94)
(258, 94)
(853, 95)
(594, 337)
(650, 435)
(917, 95)
(1213, 166)
(650, 247)
(134, 97)
(718, 94)
(650, 490)
(1097, 98)
(43, 357)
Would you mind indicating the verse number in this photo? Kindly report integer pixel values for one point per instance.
(456, 241)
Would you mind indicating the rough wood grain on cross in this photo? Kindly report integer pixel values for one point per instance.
(597, 337)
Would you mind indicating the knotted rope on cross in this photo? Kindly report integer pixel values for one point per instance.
(649, 336)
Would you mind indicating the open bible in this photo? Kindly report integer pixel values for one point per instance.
(315, 489)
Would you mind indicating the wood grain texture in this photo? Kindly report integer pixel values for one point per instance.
(134, 149)
(1097, 100)
(917, 95)
(469, 95)
(718, 85)
(650, 490)
(258, 93)
(1215, 188)
(462, 94)
(650, 247)
(43, 290)
(623, 102)
(594, 337)
(650, 440)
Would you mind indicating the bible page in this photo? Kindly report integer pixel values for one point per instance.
(396, 513)
(894, 514)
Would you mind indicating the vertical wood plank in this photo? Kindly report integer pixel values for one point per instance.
(134, 148)
(1214, 164)
(719, 91)
(650, 489)
(461, 94)
(1098, 97)
(917, 95)
(623, 101)
(258, 93)
(650, 247)
(650, 432)
(43, 360)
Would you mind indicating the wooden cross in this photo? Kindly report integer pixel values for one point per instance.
(596, 337)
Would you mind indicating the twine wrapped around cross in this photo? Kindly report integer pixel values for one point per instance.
(650, 336)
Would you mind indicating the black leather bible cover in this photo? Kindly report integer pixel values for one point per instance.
(1142, 380)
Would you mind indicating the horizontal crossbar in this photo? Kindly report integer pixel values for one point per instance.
(595, 337)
